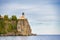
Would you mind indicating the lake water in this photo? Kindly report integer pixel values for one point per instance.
(42, 37)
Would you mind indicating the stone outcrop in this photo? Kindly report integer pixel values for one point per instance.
(23, 26)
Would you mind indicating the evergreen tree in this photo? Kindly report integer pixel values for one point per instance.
(14, 22)
(2, 31)
(14, 17)
(6, 17)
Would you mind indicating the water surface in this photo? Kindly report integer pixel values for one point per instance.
(41, 37)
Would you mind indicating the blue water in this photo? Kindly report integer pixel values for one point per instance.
(41, 37)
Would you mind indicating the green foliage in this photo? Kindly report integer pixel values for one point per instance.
(14, 22)
(5, 17)
(14, 17)
(11, 25)
(2, 31)
(1, 23)
(10, 28)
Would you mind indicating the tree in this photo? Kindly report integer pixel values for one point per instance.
(10, 28)
(6, 17)
(14, 17)
(14, 22)
(6, 21)
(2, 31)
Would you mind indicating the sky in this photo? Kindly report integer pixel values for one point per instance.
(43, 15)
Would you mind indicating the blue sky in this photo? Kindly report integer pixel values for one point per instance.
(43, 15)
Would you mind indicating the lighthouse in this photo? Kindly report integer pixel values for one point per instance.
(23, 26)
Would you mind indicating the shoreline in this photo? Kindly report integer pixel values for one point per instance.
(17, 35)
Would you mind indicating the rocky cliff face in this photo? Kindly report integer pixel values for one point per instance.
(23, 26)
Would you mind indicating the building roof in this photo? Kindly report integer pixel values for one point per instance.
(23, 16)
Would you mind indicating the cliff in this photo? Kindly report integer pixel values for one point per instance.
(14, 26)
